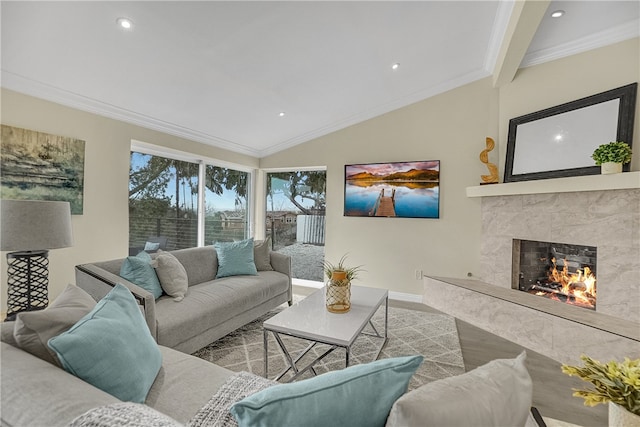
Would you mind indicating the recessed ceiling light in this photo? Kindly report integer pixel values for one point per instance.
(557, 14)
(125, 23)
(395, 66)
(281, 114)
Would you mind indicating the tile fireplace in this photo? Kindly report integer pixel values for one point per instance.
(602, 222)
(603, 225)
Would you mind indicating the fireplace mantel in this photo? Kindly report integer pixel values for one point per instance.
(626, 180)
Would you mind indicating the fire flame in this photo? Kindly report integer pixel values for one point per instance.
(581, 284)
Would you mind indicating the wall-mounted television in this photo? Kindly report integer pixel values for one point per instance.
(396, 189)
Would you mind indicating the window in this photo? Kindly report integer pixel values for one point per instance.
(165, 203)
(295, 214)
(226, 211)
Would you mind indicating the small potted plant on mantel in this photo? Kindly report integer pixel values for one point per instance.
(611, 156)
(615, 383)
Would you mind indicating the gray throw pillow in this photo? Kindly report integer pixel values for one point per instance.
(33, 329)
(262, 254)
(499, 393)
(172, 274)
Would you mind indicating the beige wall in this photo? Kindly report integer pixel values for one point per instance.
(450, 127)
(101, 233)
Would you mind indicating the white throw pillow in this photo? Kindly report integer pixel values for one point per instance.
(499, 393)
(172, 275)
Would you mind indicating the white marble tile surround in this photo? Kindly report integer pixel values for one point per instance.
(609, 220)
(555, 337)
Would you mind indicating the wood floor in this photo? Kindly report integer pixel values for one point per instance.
(552, 390)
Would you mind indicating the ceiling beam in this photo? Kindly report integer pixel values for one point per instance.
(525, 19)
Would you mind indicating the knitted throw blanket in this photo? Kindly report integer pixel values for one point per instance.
(215, 413)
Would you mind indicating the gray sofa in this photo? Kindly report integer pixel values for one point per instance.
(211, 309)
(36, 393)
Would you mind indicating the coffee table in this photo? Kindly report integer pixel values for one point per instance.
(310, 320)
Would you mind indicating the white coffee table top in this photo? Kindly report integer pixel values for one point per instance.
(309, 319)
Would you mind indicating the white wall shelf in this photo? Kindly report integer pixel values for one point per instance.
(618, 181)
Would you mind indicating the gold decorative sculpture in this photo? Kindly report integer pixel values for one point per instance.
(493, 169)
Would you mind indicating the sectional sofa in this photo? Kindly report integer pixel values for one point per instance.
(188, 391)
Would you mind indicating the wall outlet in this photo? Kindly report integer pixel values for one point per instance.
(418, 274)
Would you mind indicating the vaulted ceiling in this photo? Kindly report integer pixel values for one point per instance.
(259, 77)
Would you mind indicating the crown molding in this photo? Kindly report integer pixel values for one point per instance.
(50, 93)
(593, 41)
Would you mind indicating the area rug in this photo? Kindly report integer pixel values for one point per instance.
(410, 332)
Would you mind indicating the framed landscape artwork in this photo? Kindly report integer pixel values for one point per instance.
(40, 166)
(393, 190)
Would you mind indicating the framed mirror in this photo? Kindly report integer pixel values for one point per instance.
(559, 141)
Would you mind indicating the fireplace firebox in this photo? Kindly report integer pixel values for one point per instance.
(558, 271)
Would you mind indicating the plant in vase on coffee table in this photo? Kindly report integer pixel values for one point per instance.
(338, 287)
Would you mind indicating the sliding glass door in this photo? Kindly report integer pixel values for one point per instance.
(295, 219)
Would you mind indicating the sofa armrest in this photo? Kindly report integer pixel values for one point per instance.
(98, 282)
(282, 264)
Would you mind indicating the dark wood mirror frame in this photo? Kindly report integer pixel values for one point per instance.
(625, 118)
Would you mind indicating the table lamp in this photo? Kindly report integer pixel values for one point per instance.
(30, 228)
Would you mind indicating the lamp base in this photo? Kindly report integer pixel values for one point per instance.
(28, 282)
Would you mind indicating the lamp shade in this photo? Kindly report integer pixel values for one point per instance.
(30, 225)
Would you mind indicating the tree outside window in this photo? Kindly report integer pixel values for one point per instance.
(164, 203)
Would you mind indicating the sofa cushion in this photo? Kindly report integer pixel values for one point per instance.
(138, 269)
(173, 277)
(193, 379)
(235, 258)
(361, 394)
(496, 394)
(200, 263)
(262, 254)
(33, 329)
(112, 348)
(37, 393)
(209, 304)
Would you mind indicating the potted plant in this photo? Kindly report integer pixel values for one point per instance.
(338, 288)
(611, 156)
(617, 384)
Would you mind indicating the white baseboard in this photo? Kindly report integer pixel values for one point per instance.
(399, 296)
(307, 283)
(402, 296)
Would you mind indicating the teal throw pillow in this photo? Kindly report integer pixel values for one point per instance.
(138, 270)
(111, 348)
(235, 258)
(151, 246)
(360, 395)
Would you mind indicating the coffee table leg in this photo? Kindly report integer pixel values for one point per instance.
(266, 353)
(386, 317)
(347, 354)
